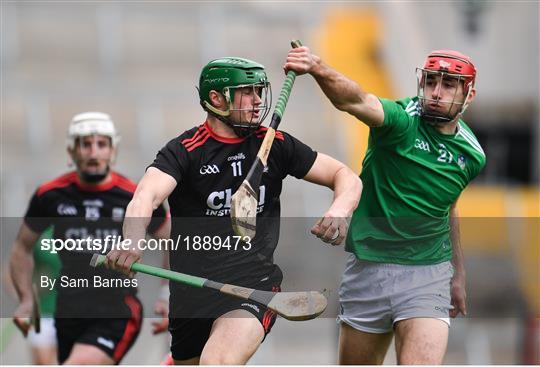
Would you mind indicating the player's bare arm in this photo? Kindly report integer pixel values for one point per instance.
(347, 187)
(152, 190)
(457, 291)
(345, 94)
(21, 268)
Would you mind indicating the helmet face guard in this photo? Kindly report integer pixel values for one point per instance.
(238, 80)
(447, 111)
(450, 70)
(248, 119)
(90, 124)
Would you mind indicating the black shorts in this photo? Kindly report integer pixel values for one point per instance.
(114, 336)
(189, 335)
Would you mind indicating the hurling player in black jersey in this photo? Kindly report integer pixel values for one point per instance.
(98, 316)
(198, 172)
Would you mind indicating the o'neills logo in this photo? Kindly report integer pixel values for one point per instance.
(236, 157)
(250, 305)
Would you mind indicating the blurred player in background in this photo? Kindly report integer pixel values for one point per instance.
(96, 323)
(406, 274)
(43, 344)
(198, 171)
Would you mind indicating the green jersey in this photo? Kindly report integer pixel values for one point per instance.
(412, 174)
(46, 264)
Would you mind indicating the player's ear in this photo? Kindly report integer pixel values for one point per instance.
(217, 100)
(71, 154)
(472, 95)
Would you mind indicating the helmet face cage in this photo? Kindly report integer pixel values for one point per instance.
(440, 78)
(91, 124)
(238, 117)
(232, 75)
(445, 68)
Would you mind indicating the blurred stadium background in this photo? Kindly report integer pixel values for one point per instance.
(139, 61)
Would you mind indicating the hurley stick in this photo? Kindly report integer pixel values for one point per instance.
(295, 306)
(244, 201)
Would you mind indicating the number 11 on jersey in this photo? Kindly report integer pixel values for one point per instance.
(237, 168)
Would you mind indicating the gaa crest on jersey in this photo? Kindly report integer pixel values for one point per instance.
(66, 209)
(422, 145)
(209, 169)
(461, 161)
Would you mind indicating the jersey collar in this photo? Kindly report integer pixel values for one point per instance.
(109, 184)
(222, 138)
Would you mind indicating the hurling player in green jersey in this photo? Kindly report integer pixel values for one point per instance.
(405, 275)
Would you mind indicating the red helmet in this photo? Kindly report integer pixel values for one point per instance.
(452, 62)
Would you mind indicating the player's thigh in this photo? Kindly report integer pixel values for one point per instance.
(112, 337)
(421, 341)
(88, 354)
(188, 337)
(188, 362)
(359, 347)
(234, 337)
(68, 331)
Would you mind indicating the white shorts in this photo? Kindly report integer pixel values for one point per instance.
(47, 335)
(374, 296)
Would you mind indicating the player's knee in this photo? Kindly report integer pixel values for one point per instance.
(215, 360)
(416, 358)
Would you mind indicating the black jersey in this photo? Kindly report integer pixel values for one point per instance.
(80, 212)
(209, 169)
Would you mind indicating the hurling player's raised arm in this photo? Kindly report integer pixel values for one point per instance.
(344, 93)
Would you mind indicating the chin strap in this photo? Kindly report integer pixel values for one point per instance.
(240, 131)
(218, 113)
(436, 118)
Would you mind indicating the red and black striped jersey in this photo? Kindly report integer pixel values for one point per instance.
(209, 169)
(80, 212)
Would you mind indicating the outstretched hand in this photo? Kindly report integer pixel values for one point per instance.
(331, 229)
(300, 60)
